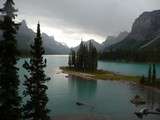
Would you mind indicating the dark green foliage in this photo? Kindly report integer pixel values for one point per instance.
(72, 58)
(73, 54)
(35, 108)
(92, 57)
(142, 81)
(131, 55)
(150, 74)
(154, 74)
(85, 59)
(151, 80)
(9, 82)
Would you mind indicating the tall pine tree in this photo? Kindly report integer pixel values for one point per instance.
(85, 59)
(70, 59)
(9, 82)
(149, 74)
(73, 57)
(35, 108)
(154, 74)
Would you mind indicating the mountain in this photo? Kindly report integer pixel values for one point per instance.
(145, 33)
(107, 43)
(25, 37)
(113, 40)
(96, 44)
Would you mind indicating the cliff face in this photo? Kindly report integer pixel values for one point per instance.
(111, 40)
(145, 29)
(147, 26)
(25, 37)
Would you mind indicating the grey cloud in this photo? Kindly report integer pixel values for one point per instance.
(103, 17)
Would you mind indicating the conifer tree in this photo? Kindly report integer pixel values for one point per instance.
(95, 58)
(70, 59)
(86, 57)
(73, 57)
(9, 82)
(154, 74)
(149, 73)
(90, 64)
(35, 108)
(80, 56)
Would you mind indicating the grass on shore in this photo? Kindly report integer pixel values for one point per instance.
(100, 74)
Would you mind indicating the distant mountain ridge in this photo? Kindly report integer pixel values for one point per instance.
(111, 40)
(25, 37)
(145, 33)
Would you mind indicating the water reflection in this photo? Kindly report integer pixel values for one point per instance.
(108, 97)
(85, 89)
(151, 96)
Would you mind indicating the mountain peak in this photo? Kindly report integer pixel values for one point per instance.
(145, 32)
(25, 37)
(111, 40)
(24, 23)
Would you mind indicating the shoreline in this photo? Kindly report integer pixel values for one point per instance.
(81, 117)
(107, 75)
(100, 75)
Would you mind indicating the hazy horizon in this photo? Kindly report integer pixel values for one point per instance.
(70, 21)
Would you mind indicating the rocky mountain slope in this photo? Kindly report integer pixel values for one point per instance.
(111, 40)
(25, 38)
(145, 33)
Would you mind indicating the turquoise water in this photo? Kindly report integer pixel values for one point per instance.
(106, 98)
(139, 69)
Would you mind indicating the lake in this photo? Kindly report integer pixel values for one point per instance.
(104, 98)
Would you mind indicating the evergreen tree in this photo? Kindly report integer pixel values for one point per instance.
(154, 74)
(142, 80)
(95, 58)
(35, 108)
(85, 59)
(80, 59)
(90, 48)
(73, 57)
(9, 82)
(70, 59)
(149, 74)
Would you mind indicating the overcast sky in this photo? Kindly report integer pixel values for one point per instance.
(70, 20)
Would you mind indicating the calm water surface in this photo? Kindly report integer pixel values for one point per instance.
(138, 69)
(106, 98)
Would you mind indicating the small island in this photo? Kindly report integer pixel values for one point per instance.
(100, 75)
(83, 63)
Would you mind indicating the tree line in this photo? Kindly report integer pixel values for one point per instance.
(35, 84)
(131, 55)
(148, 56)
(85, 59)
